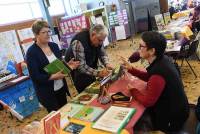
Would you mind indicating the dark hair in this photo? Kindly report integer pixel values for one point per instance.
(155, 40)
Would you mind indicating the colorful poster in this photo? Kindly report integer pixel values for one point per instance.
(10, 48)
(25, 34)
(160, 21)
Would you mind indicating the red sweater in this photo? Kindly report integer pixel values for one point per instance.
(155, 86)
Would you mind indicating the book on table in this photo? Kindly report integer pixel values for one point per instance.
(56, 66)
(52, 123)
(114, 119)
(84, 98)
(67, 111)
(89, 113)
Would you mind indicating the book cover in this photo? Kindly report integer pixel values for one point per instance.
(89, 113)
(167, 18)
(114, 119)
(74, 128)
(56, 66)
(117, 73)
(52, 123)
(93, 88)
(68, 111)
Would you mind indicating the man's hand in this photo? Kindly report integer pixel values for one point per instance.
(103, 73)
(73, 64)
(109, 67)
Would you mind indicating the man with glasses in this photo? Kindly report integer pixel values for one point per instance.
(87, 47)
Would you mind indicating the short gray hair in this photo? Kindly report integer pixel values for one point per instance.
(99, 30)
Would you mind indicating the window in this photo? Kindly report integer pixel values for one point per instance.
(21, 10)
(56, 7)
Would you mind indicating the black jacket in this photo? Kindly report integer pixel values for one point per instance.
(36, 61)
(92, 54)
(172, 109)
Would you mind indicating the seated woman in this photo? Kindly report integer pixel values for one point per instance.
(164, 98)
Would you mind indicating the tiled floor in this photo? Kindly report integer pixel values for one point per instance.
(124, 48)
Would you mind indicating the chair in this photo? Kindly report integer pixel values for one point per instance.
(187, 51)
(191, 123)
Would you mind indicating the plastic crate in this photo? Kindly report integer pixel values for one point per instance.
(21, 98)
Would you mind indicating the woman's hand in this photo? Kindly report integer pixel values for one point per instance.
(125, 63)
(57, 76)
(73, 64)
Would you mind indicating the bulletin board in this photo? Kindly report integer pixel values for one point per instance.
(70, 26)
(9, 48)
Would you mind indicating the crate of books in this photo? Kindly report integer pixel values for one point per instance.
(21, 99)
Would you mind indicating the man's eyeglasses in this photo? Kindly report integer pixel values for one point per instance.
(49, 32)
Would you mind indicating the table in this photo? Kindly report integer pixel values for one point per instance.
(174, 47)
(119, 85)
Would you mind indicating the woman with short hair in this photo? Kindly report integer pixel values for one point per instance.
(50, 88)
(164, 97)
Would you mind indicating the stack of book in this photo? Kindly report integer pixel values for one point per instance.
(119, 99)
(52, 123)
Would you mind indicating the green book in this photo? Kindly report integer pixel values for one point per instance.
(89, 113)
(56, 66)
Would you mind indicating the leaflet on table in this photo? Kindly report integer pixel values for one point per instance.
(89, 113)
(114, 119)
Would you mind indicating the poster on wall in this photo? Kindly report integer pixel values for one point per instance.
(10, 48)
(160, 21)
(25, 34)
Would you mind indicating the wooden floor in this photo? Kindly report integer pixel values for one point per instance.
(9, 125)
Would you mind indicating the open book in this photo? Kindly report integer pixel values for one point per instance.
(114, 119)
(56, 66)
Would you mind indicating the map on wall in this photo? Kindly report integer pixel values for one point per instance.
(9, 48)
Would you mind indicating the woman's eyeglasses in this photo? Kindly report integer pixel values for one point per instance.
(142, 46)
(49, 32)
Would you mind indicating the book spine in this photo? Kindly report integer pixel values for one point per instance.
(126, 120)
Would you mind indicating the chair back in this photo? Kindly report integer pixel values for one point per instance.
(193, 48)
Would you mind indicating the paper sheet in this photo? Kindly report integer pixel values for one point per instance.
(120, 32)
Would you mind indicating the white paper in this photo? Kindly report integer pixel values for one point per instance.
(26, 46)
(25, 34)
(93, 19)
(18, 79)
(54, 38)
(120, 32)
(113, 119)
(99, 20)
(10, 48)
(106, 42)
